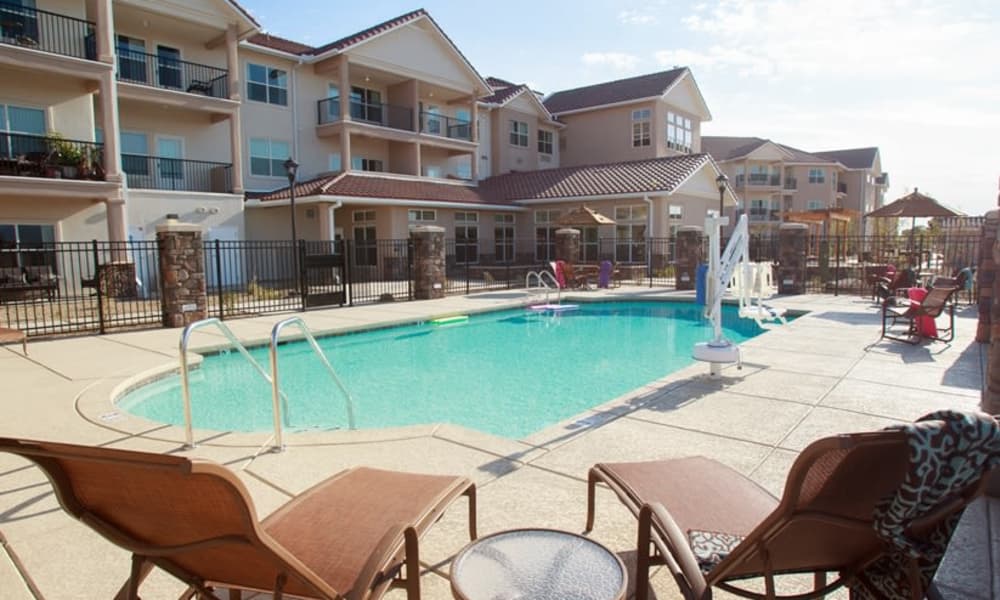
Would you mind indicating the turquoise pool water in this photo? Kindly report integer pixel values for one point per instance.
(508, 373)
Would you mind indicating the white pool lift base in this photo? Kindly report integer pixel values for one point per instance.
(717, 354)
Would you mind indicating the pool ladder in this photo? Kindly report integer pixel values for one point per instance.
(278, 397)
(539, 277)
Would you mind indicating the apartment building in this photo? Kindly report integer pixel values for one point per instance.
(777, 183)
(517, 132)
(649, 116)
(115, 113)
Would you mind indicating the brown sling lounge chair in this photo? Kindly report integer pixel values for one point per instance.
(346, 537)
(919, 317)
(853, 504)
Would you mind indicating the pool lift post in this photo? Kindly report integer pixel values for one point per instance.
(719, 350)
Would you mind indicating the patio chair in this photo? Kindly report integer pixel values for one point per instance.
(919, 316)
(876, 508)
(13, 336)
(885, 287)
(573, 279)
(346, 537)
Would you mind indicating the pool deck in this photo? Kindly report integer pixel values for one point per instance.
(822, 374)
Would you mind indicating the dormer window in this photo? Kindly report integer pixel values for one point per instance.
(641, 125)
(679, 135)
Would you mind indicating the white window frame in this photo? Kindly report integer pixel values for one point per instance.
(545, 140)
(816, 205)
(633, 218)
(504, 244)
(642, 123)
(360, 163)
(680, 134)
(270, 157)
(420, 216)
(267, 85)
(817, 175)
(518, 133)
(335, 162)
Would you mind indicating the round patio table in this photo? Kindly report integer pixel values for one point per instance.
(537, 564)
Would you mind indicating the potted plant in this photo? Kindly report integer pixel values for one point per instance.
(66, 154)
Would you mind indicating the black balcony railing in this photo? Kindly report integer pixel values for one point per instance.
(26, 155)
(386, 115)
(791, 183)
(841, 188)
(166, 72)
(158, 173)
(46, 31)
(327, 110)
(764, 179)
(451, 127)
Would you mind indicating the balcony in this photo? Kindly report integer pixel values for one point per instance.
(23, 155)
(842, 188)
(172, 74)
(373, 113)
(46, 31)
(791, 183)
(449, 127)
(758, 179)
(159, 173)
(764, 214)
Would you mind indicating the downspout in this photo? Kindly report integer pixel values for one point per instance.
(294, 83)
(331, 221)
(649, 236)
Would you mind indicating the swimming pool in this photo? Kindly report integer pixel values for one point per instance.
(509, 373)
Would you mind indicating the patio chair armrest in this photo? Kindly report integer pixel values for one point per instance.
(677, 546)
(377, 560)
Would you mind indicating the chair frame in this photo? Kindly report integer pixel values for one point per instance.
(660, 540)
(891, 317)
(398, 547)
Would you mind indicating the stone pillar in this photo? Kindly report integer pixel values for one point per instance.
(182, 273)
(792, 239)
(690, 252)
(428, 262)
(568, 245)
(986, 274)
(991, 395)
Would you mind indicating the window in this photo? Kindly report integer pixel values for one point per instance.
(365, 246)
(590, 244)
(419, 217)
(135, 154)
(335, 164)
(630, 233)
(519, 133)
(545, 234)
(265, 84)
(816, 205)
(131, 59)
(817, 176)
(544, 141)
(267, 157)
(27, 245)
(464, 170)
(432, 119)
(466, 237)
(432, 171)
(332, 103)
(366, 105)
(679, 132)
(29, 122)
(366, 164)
(641, 127)
(168, 67)
(675, 216)
(503, 238)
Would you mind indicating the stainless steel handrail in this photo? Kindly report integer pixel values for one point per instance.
(185, 384)
(275, 391)
(539, 276)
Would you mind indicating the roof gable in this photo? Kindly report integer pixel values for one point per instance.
(768, 151)
(854, 158)
(684, 94)
(613, 92)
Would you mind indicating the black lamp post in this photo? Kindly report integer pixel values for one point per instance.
(721, 181)
(291, 167)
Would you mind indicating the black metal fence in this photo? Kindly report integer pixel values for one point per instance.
(46, 31)
(83, 287)
(169, 72)
(159, 173)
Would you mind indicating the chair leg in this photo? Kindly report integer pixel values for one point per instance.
(140, 569)
(471, 494)
(642, 562)
(412, 564)
(591, 485)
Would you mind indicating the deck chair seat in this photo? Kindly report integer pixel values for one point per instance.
(855, 505)
(348, 536)
(918, 317)
(14, 336)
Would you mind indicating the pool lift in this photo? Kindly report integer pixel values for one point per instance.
(721, 268)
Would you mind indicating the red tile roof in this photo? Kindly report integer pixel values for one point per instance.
(372, 31)
(730, 148)
(639, 176)
(504, 94)
(279, 43)
(655, 175)
(622, 90)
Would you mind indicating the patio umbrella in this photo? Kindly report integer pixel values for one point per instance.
(583, 217)
(914, 205)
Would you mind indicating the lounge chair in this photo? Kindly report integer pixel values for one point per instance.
(572, 278)
(885, 287)
(856, 504)
(13, 336)
(919, 315)
(346, 537)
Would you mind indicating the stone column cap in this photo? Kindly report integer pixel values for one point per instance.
(567, 231)
(427, 229)
(791, 226)
(992, 214)
(178, 228)
(690, 228)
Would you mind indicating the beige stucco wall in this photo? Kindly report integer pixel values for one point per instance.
(823, 192)
(145, 209)
(74, 220)
(68, 107)
(605, 135)
(262, 120)
(203, 140)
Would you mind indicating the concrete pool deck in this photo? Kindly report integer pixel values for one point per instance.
(824, 373)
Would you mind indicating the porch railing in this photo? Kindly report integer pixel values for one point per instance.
(160, 173)
(171, 73)
(26, 155)
(46, 31)
(450, 127)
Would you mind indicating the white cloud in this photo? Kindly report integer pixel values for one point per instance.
(617, 61)
(635, 17)
(744, 61)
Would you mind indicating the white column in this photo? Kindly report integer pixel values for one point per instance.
(233, 63)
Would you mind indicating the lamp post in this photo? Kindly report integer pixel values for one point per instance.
(721, 181)
(291, 167)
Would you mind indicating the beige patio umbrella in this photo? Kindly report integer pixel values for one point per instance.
(914, 205)
(583, 217)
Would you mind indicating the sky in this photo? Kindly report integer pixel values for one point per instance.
(919, 79)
